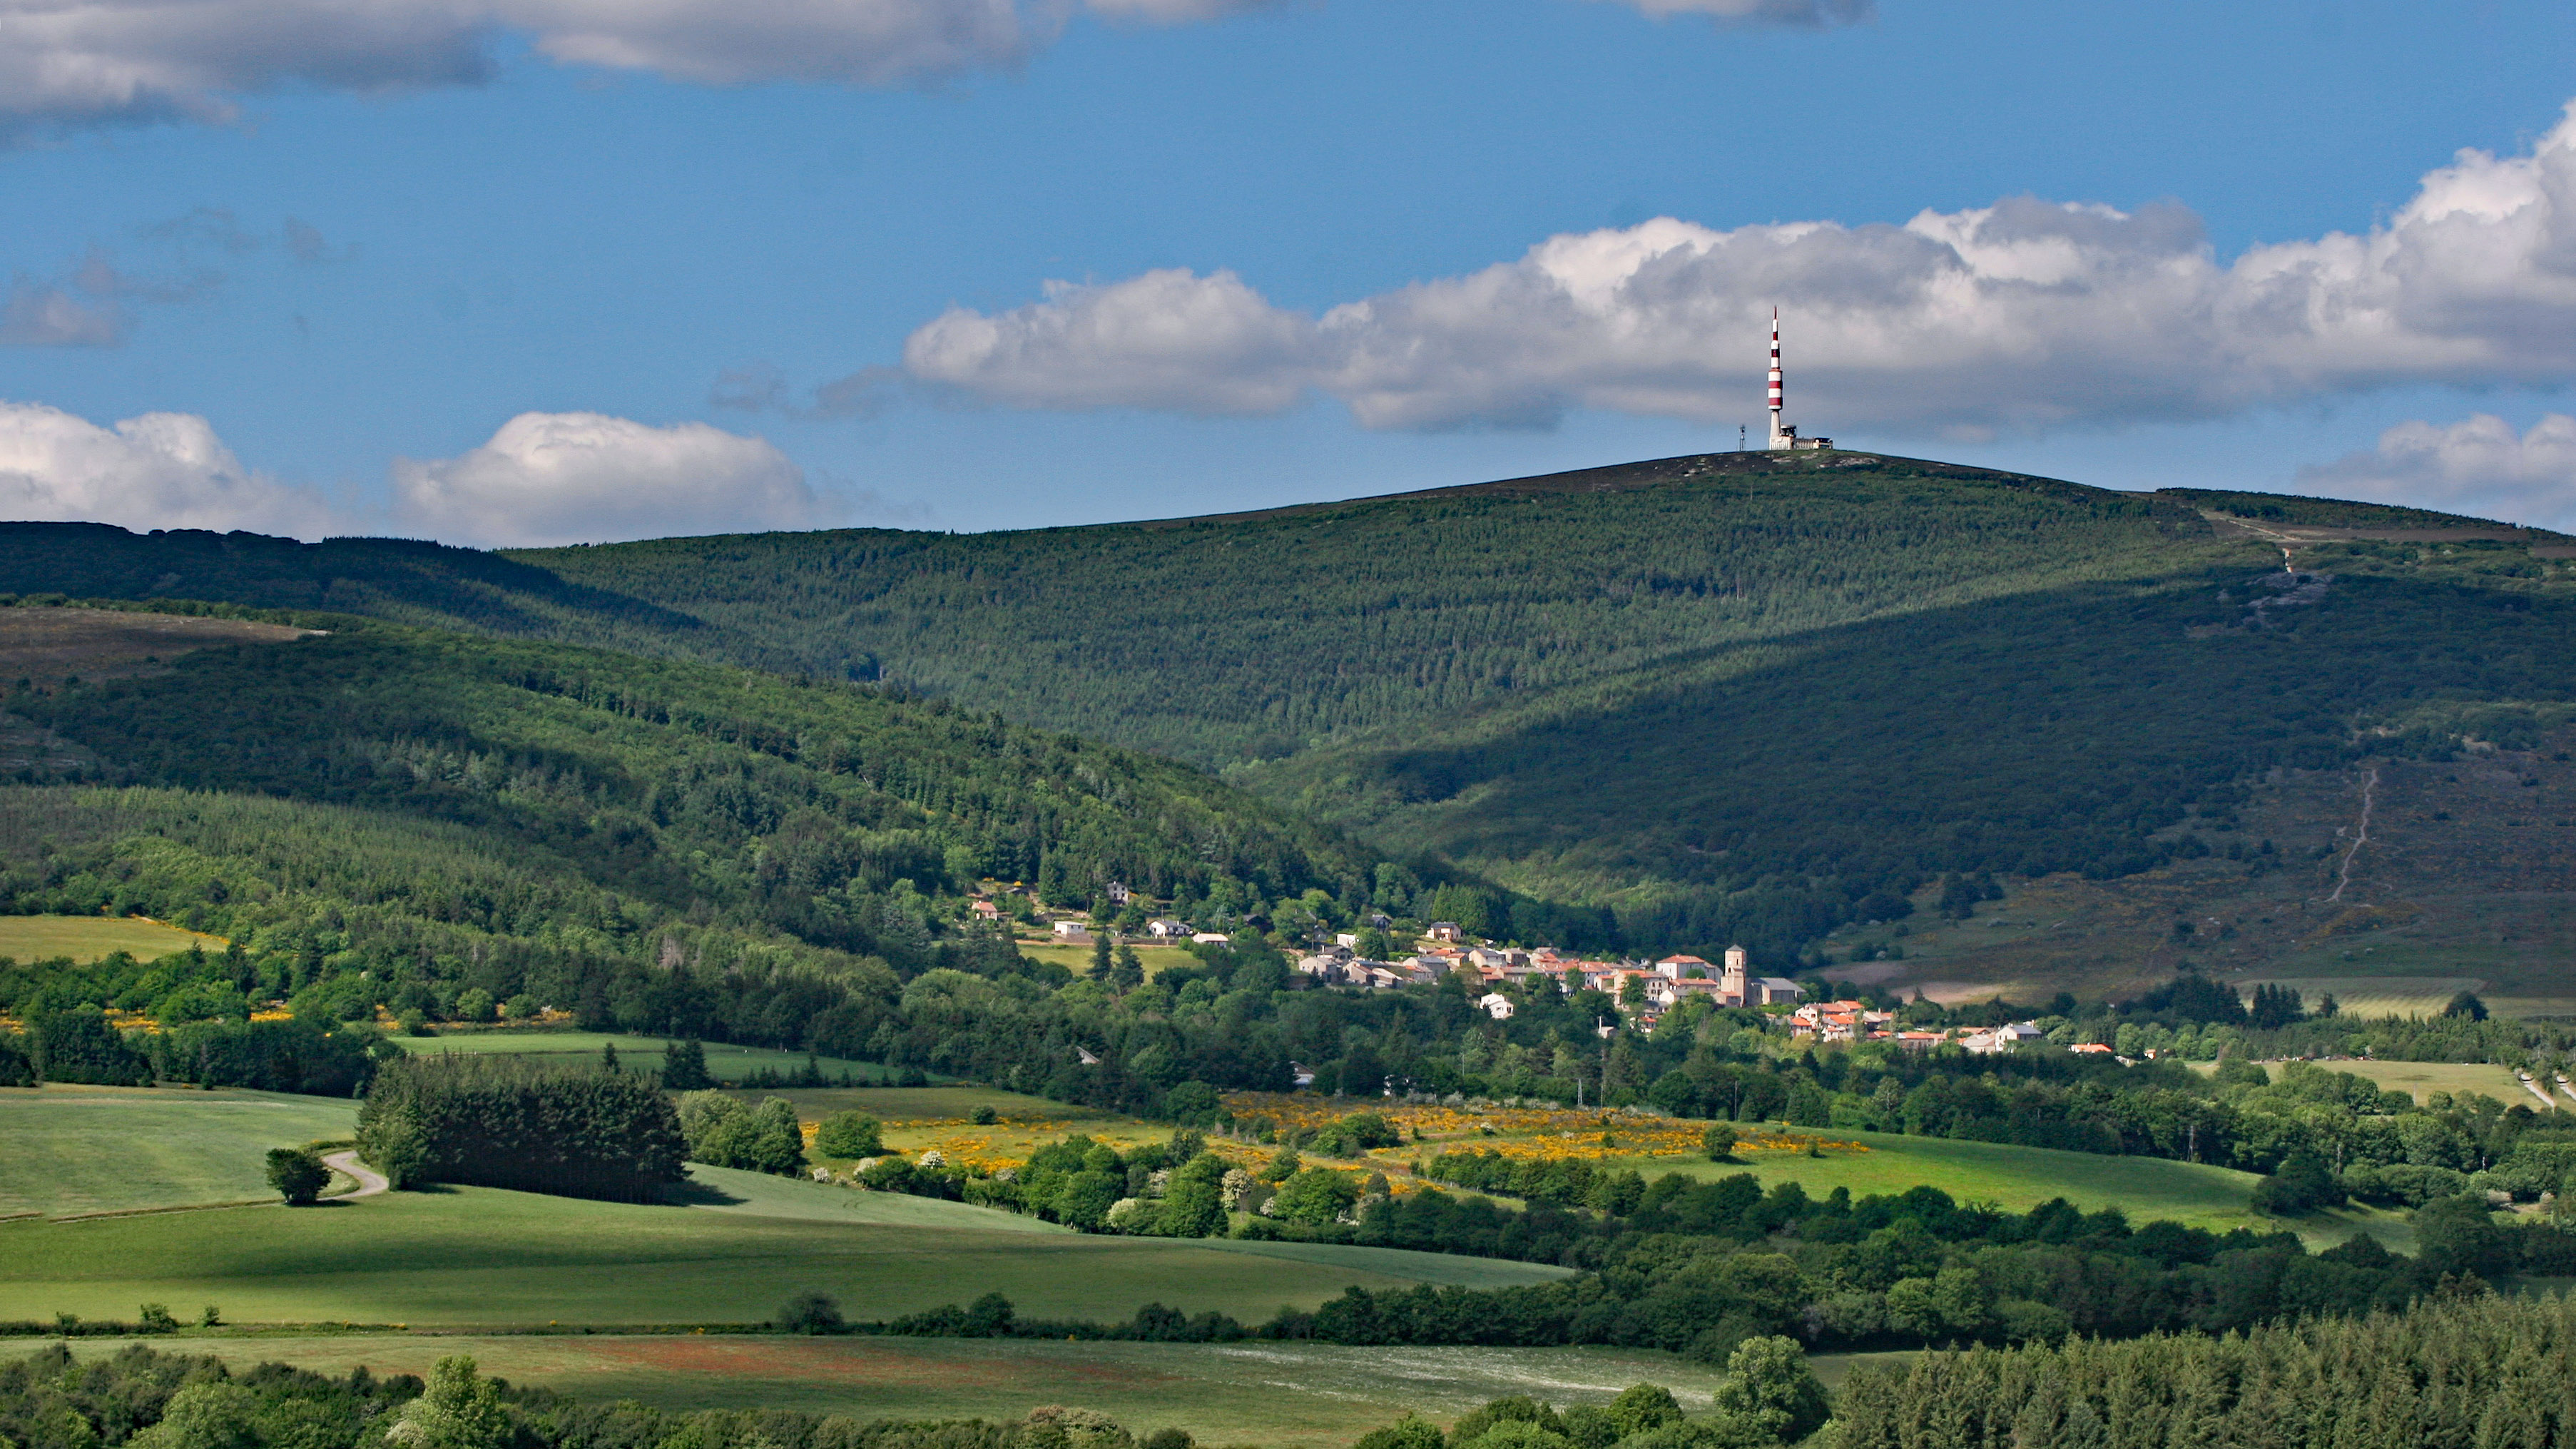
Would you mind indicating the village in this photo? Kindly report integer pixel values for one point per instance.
(1500, 978)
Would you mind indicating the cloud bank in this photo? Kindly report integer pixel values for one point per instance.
(549, 478)
(66, 64)
(2020, 316)
(160, 470)
(544, 478)
(2478, 466)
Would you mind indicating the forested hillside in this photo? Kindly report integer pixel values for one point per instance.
(1737, 697)
(1222, 639)
(399, 818)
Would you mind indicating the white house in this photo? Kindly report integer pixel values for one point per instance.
(1117, 892)
(1072, 931)
(1164, 928)
(2002, 1038)
(1211, 938)
(1495, 1004)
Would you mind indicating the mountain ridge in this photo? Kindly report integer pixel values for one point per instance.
(1768, 697)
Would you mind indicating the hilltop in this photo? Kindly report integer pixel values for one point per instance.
(1732, 696)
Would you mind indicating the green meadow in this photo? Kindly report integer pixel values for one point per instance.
(88, 938)
(2020, 1178)
(66, 1148)
(2423, 1079)
(725, 1062)
(482, 1257)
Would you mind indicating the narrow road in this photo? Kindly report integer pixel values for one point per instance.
(2343, 878)
(2535, 1089)
(369, 1181)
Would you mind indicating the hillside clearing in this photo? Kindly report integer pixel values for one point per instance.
(2422, 1079)
(725, 1062)
(85, 939)
(48, 645)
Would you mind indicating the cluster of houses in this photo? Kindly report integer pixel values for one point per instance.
(1832, 1021)
(1662, 984)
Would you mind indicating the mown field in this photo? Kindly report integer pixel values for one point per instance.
(2422, 1079)
(88, 938)
(1285, 1394)
(66, 1148)
(2019, 1178)
(483, 1257)
(725, 1062)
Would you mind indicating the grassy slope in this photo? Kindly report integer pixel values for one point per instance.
(67, 1149)
(725, 1061)
(479, 1256)
(2019, 1178)
(87, 938)
(1284, 1394)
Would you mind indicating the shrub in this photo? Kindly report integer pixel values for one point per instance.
(810, 1312)
(298, 1175)
(1718, 1142)
(1316, 1196)
(721, 1132)
(2300, 1185)
(854, 1134)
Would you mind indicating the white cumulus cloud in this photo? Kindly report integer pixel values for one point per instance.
(2478, 466)
(549, 478)
(72, 63)
(2022, 315)
(160, 470)
(1167, 339)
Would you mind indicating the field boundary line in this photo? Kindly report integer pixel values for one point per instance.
(190, 1207)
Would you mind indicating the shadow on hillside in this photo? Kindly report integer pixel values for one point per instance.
(699, 1194)
(2040, 732)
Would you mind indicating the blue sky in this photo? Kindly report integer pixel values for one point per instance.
(342, 290)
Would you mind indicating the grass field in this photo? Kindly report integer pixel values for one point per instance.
(89, 938)
(1286, 1394)
(1077, 959)
(2425, 1078)
(643, 1053)
(2020, 1178)
(482, 1257)
(73, 1149)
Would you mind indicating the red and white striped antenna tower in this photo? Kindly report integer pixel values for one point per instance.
(1777, 439)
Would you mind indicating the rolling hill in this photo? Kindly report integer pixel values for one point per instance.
(1737, 696)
